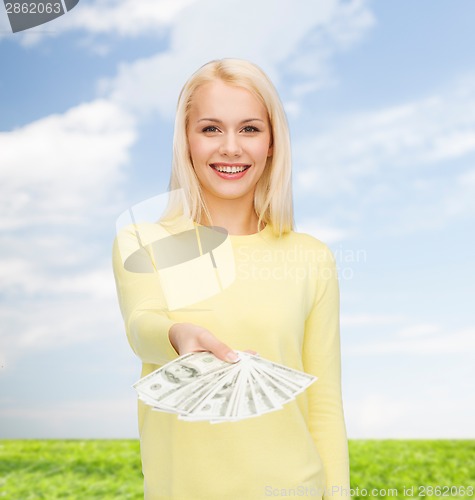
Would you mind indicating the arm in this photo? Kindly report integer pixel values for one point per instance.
(153, 335)
(144, 311)
(321, 357)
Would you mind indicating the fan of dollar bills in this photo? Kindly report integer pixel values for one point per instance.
(199, 386)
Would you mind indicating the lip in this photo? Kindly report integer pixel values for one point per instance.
(226, 176)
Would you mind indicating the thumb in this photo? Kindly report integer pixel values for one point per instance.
(218, 348)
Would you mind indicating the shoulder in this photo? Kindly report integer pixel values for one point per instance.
(134, 238)
(311, 245)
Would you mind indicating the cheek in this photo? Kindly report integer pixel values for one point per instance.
(198, 149)
(192, 147)
(261, 150)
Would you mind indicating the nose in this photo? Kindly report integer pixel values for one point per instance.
(230, 146)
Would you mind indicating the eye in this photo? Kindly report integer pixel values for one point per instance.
(250, 129)
(210, 128)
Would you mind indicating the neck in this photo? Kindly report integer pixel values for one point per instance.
(233, 215)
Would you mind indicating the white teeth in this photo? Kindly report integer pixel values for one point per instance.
(229, 170)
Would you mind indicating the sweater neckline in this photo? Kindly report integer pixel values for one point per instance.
(247, 237)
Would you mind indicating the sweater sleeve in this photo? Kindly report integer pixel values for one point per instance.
(144, 311)
(321, 357)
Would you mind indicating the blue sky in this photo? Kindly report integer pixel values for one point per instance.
(380, 98)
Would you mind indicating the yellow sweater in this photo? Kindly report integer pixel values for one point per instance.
(284, 304)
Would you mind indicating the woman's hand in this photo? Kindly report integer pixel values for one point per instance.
(188, 337)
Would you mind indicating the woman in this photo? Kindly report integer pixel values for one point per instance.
(232, 160)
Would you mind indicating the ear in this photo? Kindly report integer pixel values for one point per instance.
(270, 151)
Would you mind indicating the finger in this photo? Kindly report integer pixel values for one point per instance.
(218, 348)
(250, 351)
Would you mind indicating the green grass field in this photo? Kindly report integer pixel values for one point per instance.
(102, 469)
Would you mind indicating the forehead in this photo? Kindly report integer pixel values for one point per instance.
(223, 101)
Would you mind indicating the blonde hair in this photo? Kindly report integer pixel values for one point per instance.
(273, 194)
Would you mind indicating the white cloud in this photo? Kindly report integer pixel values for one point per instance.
(370, 319)
(96, 283)
(66, 285)
(420, 330)
(71, 161)
(201, 29)
(28, 277)
(59, 179)
(76, 419)
(343, 27)
(125, 18)
(55, 322)
(459, 199)
(373, 416)
(12, 269)
(206, 30)
(425, 339)
(420, 152)
(322, 230)
(410, 381)
(414, 135)
(380, 416)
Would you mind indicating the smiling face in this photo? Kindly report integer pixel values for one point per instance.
(229, 139)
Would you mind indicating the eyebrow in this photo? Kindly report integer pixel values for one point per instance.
(215, 120)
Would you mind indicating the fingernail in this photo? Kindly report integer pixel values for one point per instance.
(232, 357)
